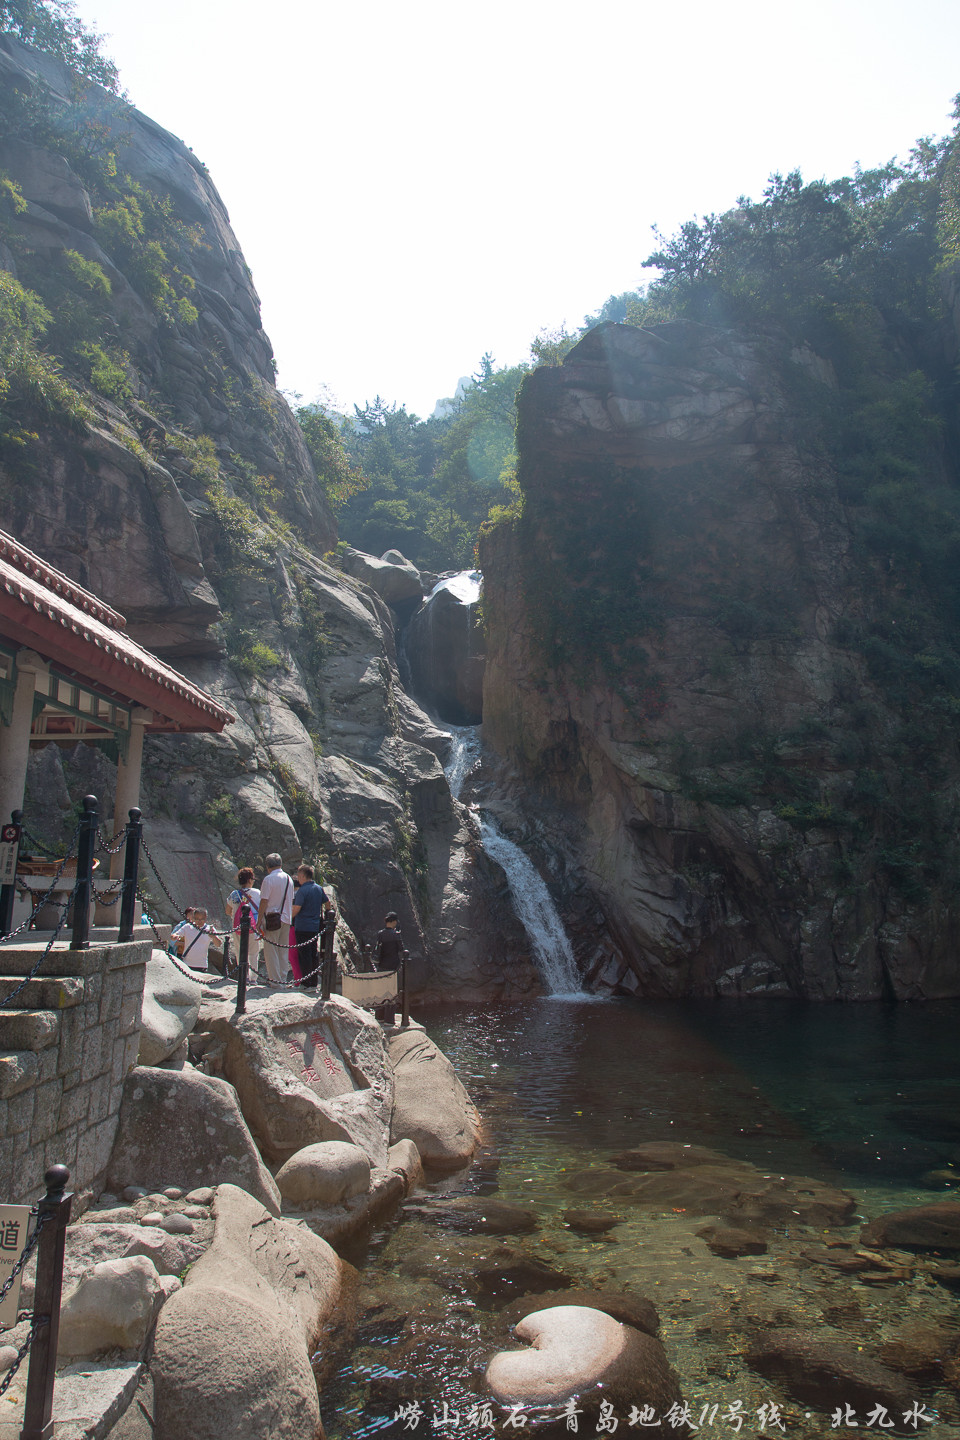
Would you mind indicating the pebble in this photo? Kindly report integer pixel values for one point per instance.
(8, 1353)
(177, 1225)
(153, 1217)
(203, 1196)
(133, 1192)
(157, 1197)
(172, 1193)
(196, 1212)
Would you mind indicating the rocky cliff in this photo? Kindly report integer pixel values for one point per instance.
(740, 773)
(149, 455)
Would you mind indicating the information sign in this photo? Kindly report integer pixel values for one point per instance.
(14, 1225)
(9, 846)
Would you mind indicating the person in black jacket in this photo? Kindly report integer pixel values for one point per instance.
(389, 944)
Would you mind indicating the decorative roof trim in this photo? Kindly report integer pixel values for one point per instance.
(31, 564)
(31, 592)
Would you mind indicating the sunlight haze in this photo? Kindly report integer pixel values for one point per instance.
(413, 185)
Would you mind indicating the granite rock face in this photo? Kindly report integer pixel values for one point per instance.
(186, 1129)
(683, 770)
(445, 649)
(190, 504)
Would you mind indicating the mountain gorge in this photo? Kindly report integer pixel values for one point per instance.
(722, 678)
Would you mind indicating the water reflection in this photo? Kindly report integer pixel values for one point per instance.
(865, 1098)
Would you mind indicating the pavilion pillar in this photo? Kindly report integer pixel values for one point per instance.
(127, 798)
(15, 737)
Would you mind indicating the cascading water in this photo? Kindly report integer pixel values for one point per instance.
(531, 898)
(537, 913)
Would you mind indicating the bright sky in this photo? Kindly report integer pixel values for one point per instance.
(415, 182)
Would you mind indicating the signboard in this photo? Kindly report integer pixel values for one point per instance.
(315, 1059)
(14, 1225)
(9, 846)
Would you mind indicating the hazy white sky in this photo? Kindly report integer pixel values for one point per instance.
(414, 182)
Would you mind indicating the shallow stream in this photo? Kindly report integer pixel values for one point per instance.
(864, 1097)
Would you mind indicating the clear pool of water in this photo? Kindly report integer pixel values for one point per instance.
(866, 1098)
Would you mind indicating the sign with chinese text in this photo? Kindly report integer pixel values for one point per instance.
(315, 1058)
(14, 1224)
(9, 846)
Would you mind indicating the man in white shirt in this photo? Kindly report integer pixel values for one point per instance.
(276, 899)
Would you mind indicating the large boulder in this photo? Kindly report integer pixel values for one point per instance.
(445, 650)
(232, 1348)
(305, 1071)
(171, 1004)
(324, 1174)
(922, 1227)
(825, 1373)
(184, 1128)
(573, 1350)
(430, 1105)
(393, 578)
(112, 1307)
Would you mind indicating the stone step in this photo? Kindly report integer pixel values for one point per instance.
(29, 1029)
(43, 993)
(17, 958)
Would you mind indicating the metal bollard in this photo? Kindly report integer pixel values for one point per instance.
(131, 874)
(243, 962)
(8, 891)
(55, 1206)
(89, 821)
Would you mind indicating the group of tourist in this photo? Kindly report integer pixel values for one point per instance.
(287, 914)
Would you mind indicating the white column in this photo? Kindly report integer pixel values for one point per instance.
(15, 737)
(128, 783)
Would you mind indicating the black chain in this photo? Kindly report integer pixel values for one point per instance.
(22, 1352)
(107, 846)
(163, 887)
(8, 1000)
(42, 845)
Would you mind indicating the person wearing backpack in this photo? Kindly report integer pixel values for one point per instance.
(246, 890)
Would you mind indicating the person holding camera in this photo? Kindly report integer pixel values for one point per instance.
(275, 915)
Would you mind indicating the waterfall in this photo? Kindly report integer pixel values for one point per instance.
(464, 754)
(536, 911)
(531, 898)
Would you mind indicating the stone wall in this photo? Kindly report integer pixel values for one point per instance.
(63, 1061)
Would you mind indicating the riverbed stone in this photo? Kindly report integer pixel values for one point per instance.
(729, 1241)
(633, 1310)
(112, 1307)
(668, 1155)
(272, 1284)
(507, 1272)
(186, 1127)
(324, 1174)
(306, 1071)
(826, 1373)
(573, 1350)
(922, 1227)
(430, 1107)
(921, 1349)
(171, 1004)
(484, 1215)
(591, 1222)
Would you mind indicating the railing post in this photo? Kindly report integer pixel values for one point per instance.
(54, 1211)
(404, 1002)
(244, 959)
(89, 821)
(226, 957)
(131, 874)
(8, 890)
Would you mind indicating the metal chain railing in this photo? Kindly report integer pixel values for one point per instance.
(25, 1254)
(113, 846)
(8, 1000)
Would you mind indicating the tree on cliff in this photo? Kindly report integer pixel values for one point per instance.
(53, 27)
